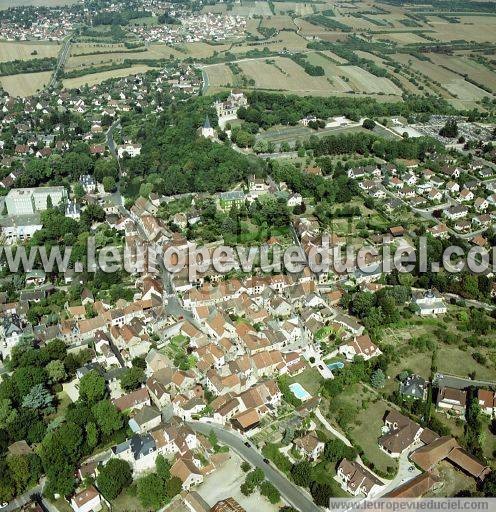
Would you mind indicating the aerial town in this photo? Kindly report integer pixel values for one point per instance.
(158, 348)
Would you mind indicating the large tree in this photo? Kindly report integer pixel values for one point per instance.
(107, 417)
(56, 371)
(92, 387)
(151, 491)
(302, 473)
(114, 477)
(38, 398)
(132, 378)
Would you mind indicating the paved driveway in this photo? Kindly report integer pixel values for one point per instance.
(226, 481)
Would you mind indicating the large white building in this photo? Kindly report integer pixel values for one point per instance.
(131, 150)
(26, 201)
(20, 229)
(429, 303)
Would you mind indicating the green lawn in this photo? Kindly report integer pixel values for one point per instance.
(64, 399)
(125, 503)
(460, 362)
(310, 379)
(250, 233)
(62, 505)
(324, 473)
(488, 440)
(368, 430)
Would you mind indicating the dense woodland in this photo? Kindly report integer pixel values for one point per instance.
(268, 109)
(176, 160)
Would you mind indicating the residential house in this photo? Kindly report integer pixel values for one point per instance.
(487, 401)
(401, 433)
(134, 400)
(145, 419)
(466, 195)
(439, 231)
(227, 505)
(455, 212)
(361, 346)
(357, 480)
(309, 446)
(481, 204)
(450, 399)
(414, 386)
(417, 487)
(140, 451)
(187, 472)
(88, 500)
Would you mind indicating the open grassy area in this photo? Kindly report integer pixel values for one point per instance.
(453, 479)
(361, 413)
(125, 502)
(220, 75)
(310, 379)
(62, 505)
(64, 402)
(84, 55)
(488, 441)
(452, 358)
(367, 431)
(291, 134)
(253, 234)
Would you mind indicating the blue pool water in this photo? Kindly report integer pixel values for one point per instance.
(335, 366)
(299, 391)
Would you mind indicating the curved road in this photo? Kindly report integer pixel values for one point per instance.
(293, 494)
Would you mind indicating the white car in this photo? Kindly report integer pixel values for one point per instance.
(3, 505)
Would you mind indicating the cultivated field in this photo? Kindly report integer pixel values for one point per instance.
(465, 65)
(334, 57)
(432, 71)
(220, 75)
(198, 50)
(465, 91)
(354, 78)
(279, 23)
(252, 8)
(401, 37)
(308, 29)
(283, 41)
(97, 54)
(96, 78)
(299, 8)
(368, 83)
(25, 84)
(217, 8)
(462, 93)
(470, 28)
(5, 4)
(17, 50)
(332, 71)
(280, 73)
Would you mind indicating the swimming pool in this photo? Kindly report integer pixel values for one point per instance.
(299, 391)
(335, 366)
